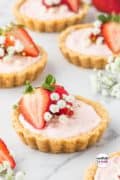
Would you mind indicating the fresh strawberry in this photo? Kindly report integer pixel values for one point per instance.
(9, 41)
(111, 33)
(33, 106)
(21, 34)
(66, 111)
(60, 90)
(108, 6)
(74, 5)
(5, 155)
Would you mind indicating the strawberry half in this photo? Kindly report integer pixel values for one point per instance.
(73, 5)
(5, 155)
(111, 33)
(21, 34)
(33, 106)
(109, 6)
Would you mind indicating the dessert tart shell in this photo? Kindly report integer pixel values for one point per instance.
(90, 174)
(63, 145)
(30, 73)
(79, 59)
(48, 25)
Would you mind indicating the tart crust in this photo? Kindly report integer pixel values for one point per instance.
(63, 145)
(48, 25)
(90, 174)
(30, 73)
(79, 59)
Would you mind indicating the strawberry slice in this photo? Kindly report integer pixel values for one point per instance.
(5, 154)
(60, 90)
(21, 34)
(33, 106)
(111, 33)
(74, 5)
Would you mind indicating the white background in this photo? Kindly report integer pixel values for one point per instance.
(41, 166)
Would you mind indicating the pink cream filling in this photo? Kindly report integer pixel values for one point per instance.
(84, 119)
(76, 41)
(35, 9)
(111, 171)
(17, 63)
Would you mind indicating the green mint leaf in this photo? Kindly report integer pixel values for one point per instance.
(49, 83)
(50, 80)
(48, 87)
(28, 87)
(102, 18)
(15, 106)
(109, 18)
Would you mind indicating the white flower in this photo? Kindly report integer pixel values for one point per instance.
(2, 39)
(19, 175)
(104, 92)
(97, 24)
(63, 118)
(56, 1)
(96, 31)
(54, 96)
(63, 8)
(61, 104)
(116, 91)
(49, 2)
(2, 52)
(108, 81)
(70, 98)
(6, 58)
(18, 46)
(99, 40)
(47, 116)
(111, 59)
(54, 108)
(11, 50)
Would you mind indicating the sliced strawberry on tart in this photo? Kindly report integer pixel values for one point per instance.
(50, 15)
(8, 164)
(90, 45)
(21, 58)
(52, 120)
(5, 155)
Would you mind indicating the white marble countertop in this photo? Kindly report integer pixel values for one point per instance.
(41, 166)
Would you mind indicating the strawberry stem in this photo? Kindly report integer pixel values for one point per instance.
(28, 87)
(49, 83)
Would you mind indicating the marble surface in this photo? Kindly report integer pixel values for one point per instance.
(41, 166)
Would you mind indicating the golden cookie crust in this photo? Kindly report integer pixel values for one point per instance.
(76, 58)
(90, 174)
(48, 25)
(30, 73)
(63, 145)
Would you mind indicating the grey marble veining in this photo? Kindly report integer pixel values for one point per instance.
(41, 166)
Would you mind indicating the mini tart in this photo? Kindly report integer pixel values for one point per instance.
(79, 59)
(63, 145)
(48, 25)
(30, 73)
(90, 174)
